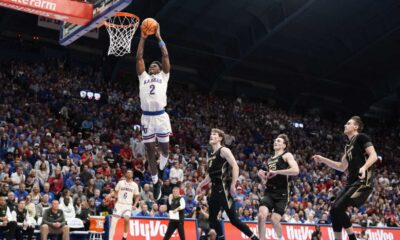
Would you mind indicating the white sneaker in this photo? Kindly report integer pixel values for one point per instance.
(163, 163)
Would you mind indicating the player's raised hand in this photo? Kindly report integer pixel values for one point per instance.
(158, 33)
(143, 35)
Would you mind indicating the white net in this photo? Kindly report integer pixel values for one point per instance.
(121, 28)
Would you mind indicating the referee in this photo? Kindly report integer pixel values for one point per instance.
(223, 173)
(358, 157)
(176, 204)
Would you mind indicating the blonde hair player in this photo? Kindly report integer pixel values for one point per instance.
(126, 191)
(276, 196)
(153, 99)
(223, 173)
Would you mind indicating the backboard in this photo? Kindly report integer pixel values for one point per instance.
(102, 10)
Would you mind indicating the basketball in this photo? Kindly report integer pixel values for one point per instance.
(149, 26)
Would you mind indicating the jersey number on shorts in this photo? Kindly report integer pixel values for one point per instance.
(152, 88)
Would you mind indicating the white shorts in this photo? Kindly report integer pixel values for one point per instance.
(122, 210)
(156, 127)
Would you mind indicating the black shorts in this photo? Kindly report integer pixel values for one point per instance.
(353, 195)
(275, 201)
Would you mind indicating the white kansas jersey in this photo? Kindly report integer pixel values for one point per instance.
(153, 91)
(126, 191)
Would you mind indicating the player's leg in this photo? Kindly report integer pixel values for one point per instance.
(149, 139)
(280, 203)
(262, 218)
(340, 219)
(163, 130)
(276, 223)
(233, 218)
(358, 198)
(126, 215)
(214, 208)
(266, 206)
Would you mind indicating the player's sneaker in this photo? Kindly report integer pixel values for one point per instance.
(163, 163)
(157, 190)
(124, 238)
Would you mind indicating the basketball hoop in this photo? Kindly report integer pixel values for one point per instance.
(121, 27)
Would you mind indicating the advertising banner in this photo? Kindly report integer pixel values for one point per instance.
(149, 228)
(304, 232)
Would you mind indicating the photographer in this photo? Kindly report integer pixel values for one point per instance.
(317, 234)
(363, 235)
(201, 214)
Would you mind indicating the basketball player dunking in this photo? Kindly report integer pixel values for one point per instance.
(126, 190)
(359, 181)
(153, 99)
(223, 173)
(276, 196)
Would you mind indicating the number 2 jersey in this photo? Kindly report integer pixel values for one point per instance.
(153, 91)
(126, 191)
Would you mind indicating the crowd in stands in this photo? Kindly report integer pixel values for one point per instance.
(56, 145)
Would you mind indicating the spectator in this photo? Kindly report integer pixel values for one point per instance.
(144, 211)
(11, 201)
(67, 207)
(190, 206)
(54, 222)
(56, 182)
(21, 194)
(42, 206)
(162, 212)
(46, 191)
(7, 225)
(176, 174)
(42, 174)
(24, 223)
(17, 178)
(84, 214)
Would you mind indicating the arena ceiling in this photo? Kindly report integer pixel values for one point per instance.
(334, 54)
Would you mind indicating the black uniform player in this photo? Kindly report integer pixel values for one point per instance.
(223, 173)
(358, 157)
(280, 167)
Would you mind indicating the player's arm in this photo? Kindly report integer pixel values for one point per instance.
(136, 196)
(227, 154)
(140, 67)
(166, 66)
(372, 158)
(340, 166)
(293, 169)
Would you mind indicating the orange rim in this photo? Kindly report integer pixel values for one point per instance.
(122, 14)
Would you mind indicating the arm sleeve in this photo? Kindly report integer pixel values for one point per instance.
(182, 204)
(118, 187)
(45, 219)
(165, 76)
(137, 192)
(364, 141)
(61, 219)
(11, 216)
(143, 76)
